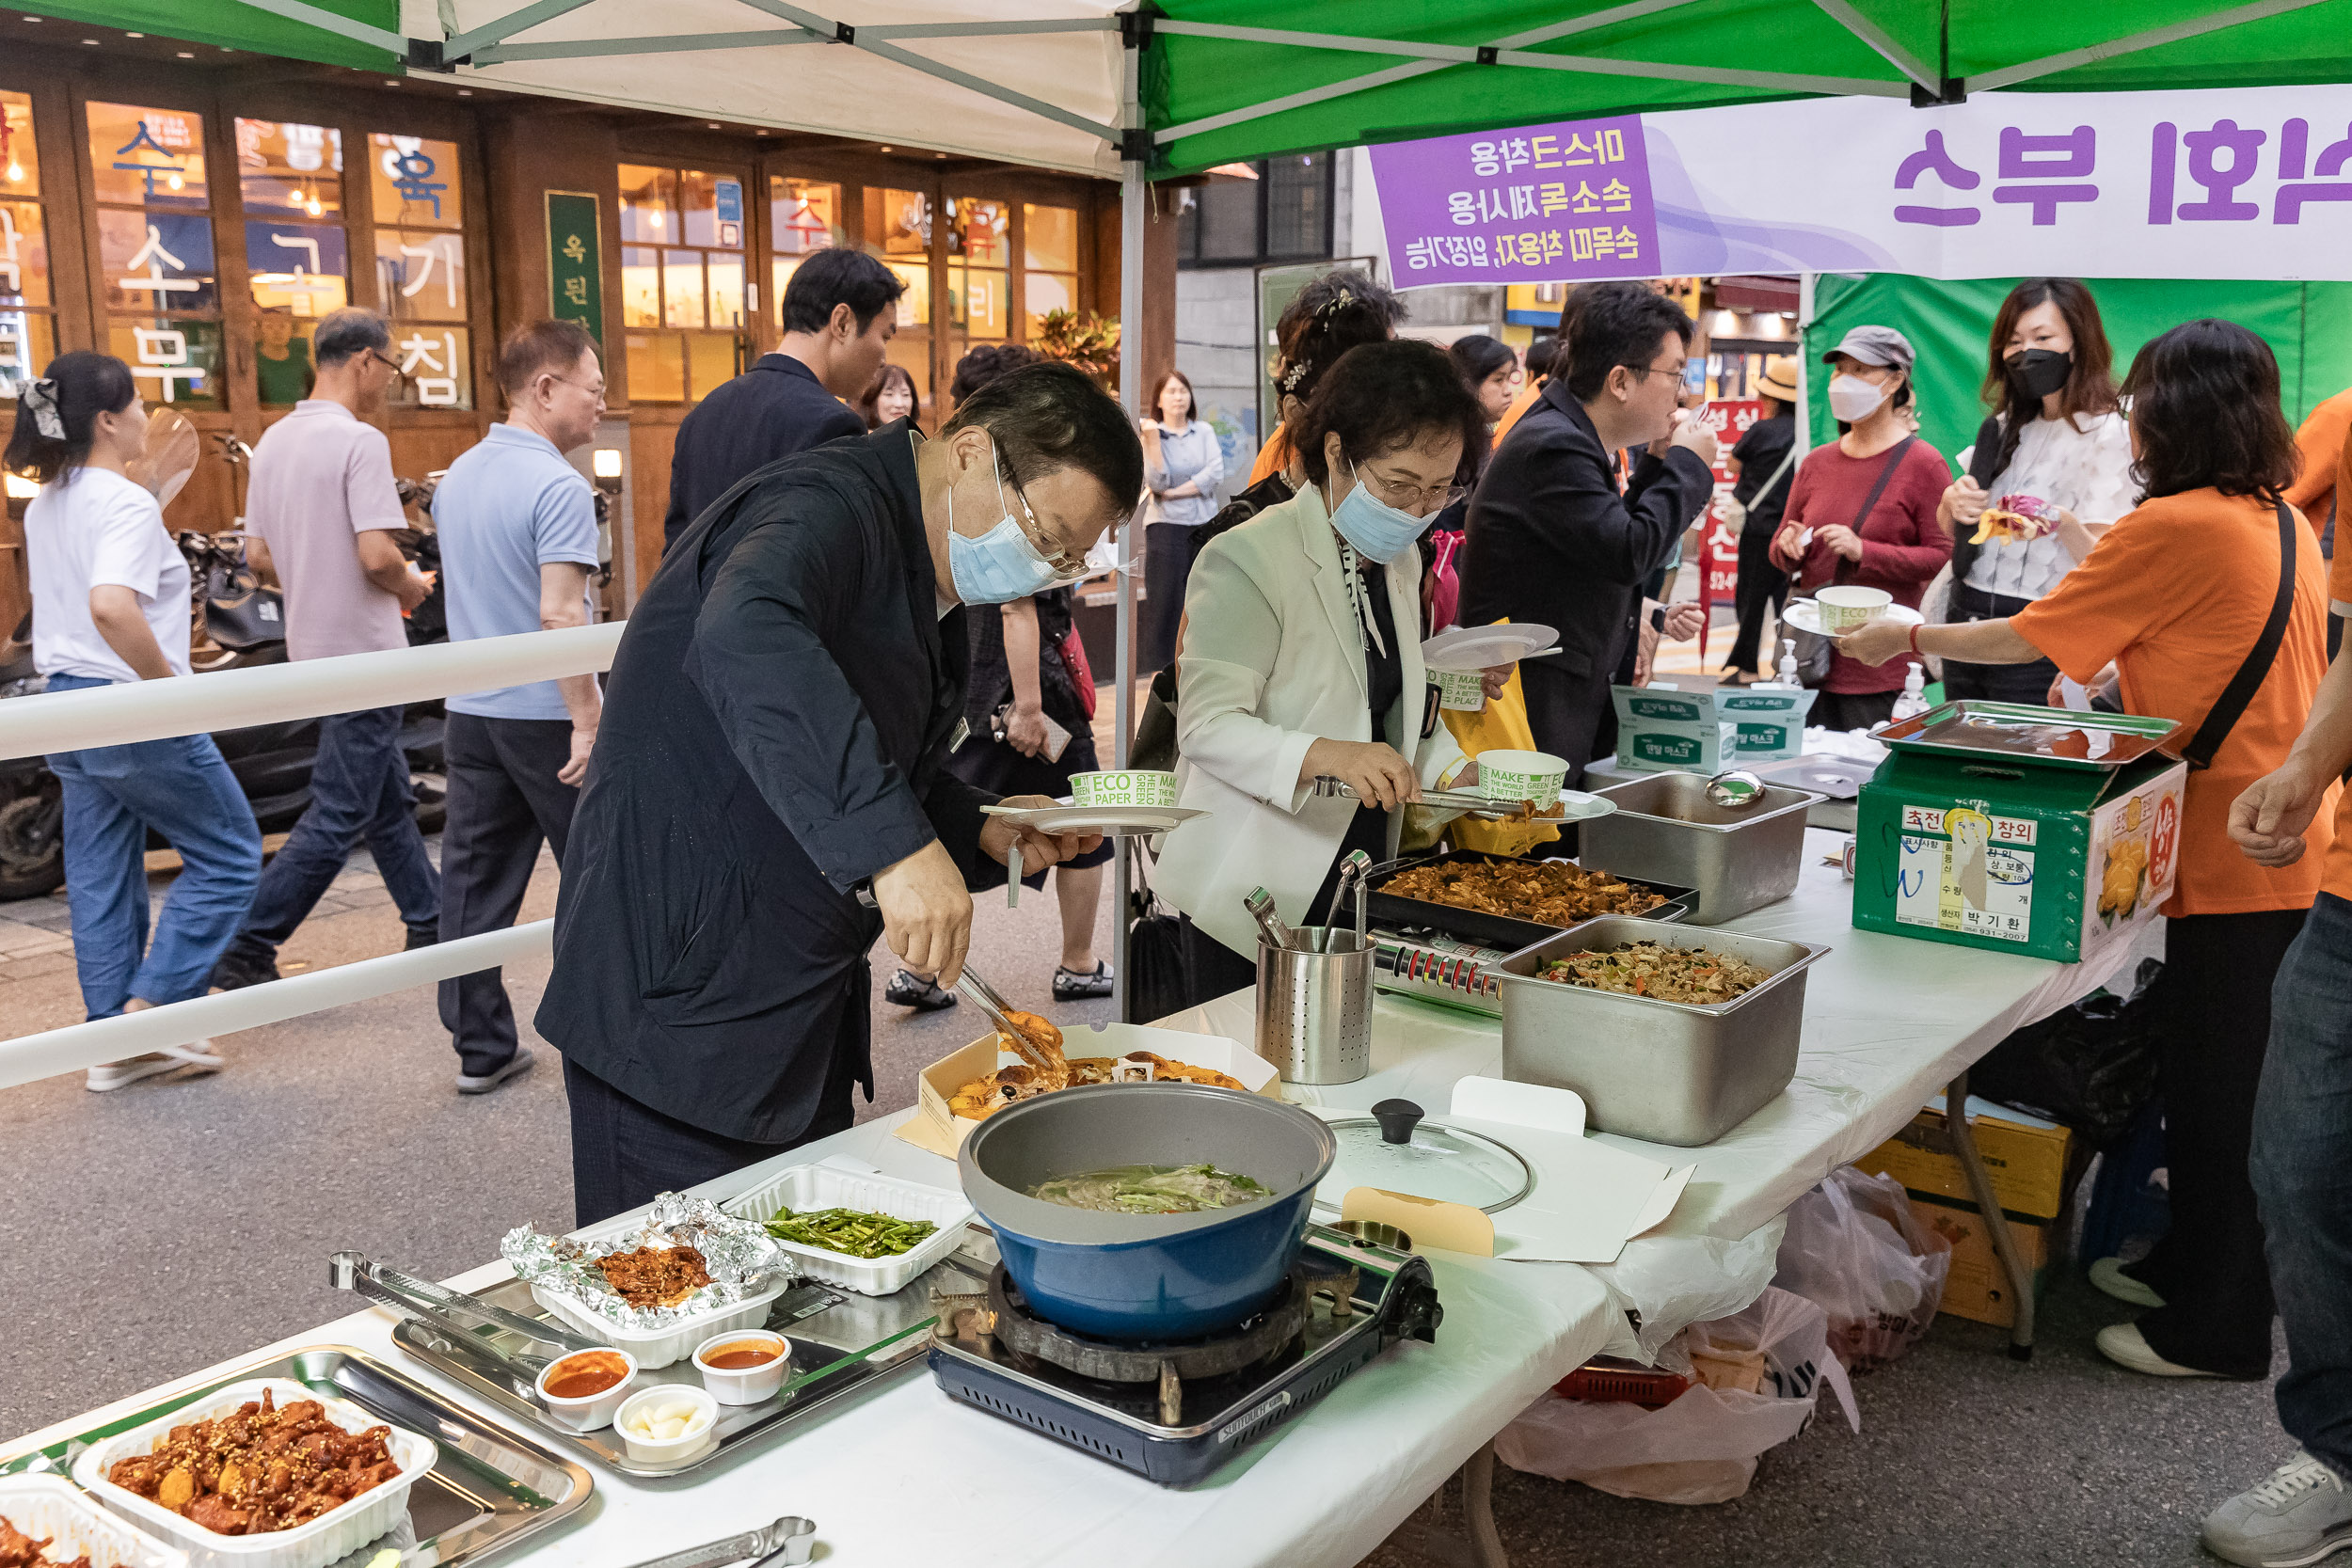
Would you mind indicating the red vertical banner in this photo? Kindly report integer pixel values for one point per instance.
(1719, 549)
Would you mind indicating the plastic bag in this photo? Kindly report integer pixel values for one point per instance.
(1703, 1447)
(2091, 1066)
(1854, 1247)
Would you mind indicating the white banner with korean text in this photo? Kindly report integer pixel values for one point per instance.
(2250, 182)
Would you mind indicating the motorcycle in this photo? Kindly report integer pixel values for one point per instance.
(236, 622)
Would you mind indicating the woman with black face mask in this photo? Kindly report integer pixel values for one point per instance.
(2047, 475)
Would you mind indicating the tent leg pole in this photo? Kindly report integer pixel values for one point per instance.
(1132, 195)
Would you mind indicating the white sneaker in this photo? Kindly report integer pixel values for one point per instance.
(2124, 1345)
(2302, 1513)
(2107, 1276)
(198, 1055)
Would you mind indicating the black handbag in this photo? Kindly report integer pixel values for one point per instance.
(1816, 652)
(1158, 979)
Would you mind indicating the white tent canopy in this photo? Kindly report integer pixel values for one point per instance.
(1013, 80)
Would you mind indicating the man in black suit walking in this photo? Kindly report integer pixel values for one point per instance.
(840, 311)
(1553, 540)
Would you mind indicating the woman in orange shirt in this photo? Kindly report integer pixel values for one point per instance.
(2179, 595)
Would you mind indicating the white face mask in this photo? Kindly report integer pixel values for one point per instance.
(1853, 399)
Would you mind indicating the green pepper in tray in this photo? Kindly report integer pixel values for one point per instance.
(851, 1232)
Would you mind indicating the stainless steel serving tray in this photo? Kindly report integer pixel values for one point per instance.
(492, 1489)
(2058, 736)
(843, 1343)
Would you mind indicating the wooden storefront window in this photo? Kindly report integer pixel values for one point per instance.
(28, 314)
(297, 253)
(155, 252)
(685, 292)
(417, 196)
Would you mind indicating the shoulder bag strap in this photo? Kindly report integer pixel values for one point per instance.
(1886, 473)
(2231, 705)
(1779, 474)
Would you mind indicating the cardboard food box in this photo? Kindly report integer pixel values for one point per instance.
(941, 1130)
(1998, 853)
(1977, 1286)
(1706, 732)
(2025, 1157)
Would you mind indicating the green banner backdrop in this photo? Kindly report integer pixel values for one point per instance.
(2308, 325)
(231, 25)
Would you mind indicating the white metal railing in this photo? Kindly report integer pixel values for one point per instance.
(229, 699)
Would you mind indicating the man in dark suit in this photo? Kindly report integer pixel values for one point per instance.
(1553, 540)
(772, 746)
(840, 311)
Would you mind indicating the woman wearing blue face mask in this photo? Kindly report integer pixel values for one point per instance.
(1302, 658)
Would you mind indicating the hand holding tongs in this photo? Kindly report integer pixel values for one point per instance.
(1467, 801)
(789, 1540)
(441, 1308)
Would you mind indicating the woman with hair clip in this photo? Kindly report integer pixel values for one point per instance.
(110, 605)
(2049, 472)
(2211, 601)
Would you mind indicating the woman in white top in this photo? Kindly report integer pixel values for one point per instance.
(1302, 658)
(110, 605)
(2059, 435)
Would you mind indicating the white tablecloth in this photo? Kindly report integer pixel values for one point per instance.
(907, 1477)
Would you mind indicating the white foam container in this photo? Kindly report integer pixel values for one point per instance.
(656, 1348)
(48, 1508)
(822, 1186)
(337, 1531)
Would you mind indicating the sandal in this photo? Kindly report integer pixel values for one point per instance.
(114, 1075)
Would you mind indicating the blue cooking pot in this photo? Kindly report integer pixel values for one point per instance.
(1146, 1276)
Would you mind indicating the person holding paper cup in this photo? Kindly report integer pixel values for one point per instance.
(2211, 601)
(1302, 658)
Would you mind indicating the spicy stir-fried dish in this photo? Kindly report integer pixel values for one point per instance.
(1691, 974)
(1150, 1190)
(1043, 1068)
(20, 1550)
(261, 1467)
(1549, 892)
(655, 1276)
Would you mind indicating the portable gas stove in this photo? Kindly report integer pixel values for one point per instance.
(1175, 1412)
(1438, 967)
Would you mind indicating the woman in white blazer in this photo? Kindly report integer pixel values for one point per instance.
(1302, 656)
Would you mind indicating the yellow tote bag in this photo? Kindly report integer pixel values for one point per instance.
(1499, 726)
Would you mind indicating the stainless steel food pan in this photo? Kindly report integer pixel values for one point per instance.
(1665, 831)
(1662, 1070)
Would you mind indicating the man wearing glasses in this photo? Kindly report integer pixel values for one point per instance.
(1552, 537)
(517, 526)
(324, 504)
(767, 792)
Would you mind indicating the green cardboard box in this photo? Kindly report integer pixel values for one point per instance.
(2005, 854)
(1659, 727)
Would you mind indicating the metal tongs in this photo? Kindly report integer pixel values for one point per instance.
(984, 996)
(789, 1540)
(1467, 801)
(1355, 872)
(445, 1310)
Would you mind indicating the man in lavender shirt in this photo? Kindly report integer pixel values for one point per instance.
(322, 503)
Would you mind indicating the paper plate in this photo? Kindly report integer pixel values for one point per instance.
(1110, 821)
(1466, 648)
(1805, 615)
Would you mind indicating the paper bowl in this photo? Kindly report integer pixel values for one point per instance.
(1462, 691)
(1131, 787)
(700, 1434)
(1521, 776)
(747, 1385)
(1844, 609)
(594, 1410)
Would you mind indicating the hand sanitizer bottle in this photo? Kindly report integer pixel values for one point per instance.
(1787, 680)
(1913, 701)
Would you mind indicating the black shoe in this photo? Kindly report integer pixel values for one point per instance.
(236, 970)
(913, 990)
(1070, 985)
(422, 936)
(483, 1082)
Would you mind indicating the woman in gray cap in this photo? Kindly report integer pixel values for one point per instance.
(1862, 512)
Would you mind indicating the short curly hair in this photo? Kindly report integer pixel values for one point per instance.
(1381, 398)
(984, 364)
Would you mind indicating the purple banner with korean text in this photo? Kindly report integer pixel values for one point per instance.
(2250, 182)
(1564, 202)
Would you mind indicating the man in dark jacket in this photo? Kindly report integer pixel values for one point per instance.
(1551, 540)
(840, 312)
(771, 745)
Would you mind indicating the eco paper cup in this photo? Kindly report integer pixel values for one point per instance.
(1844, 609)
(1534, 776)
(1463, 691)
(1130, 787)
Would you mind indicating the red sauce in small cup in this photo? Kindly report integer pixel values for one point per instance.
(586, 1375)
(740, 1355)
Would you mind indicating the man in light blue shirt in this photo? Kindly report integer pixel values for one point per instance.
(517, 526)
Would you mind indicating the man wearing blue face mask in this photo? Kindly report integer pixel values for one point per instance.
(771, 745)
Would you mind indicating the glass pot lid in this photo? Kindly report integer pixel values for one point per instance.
(1396, 1149)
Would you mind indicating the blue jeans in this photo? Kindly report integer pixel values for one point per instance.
(182, 789)
(2302, 1168)
(358, 789)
